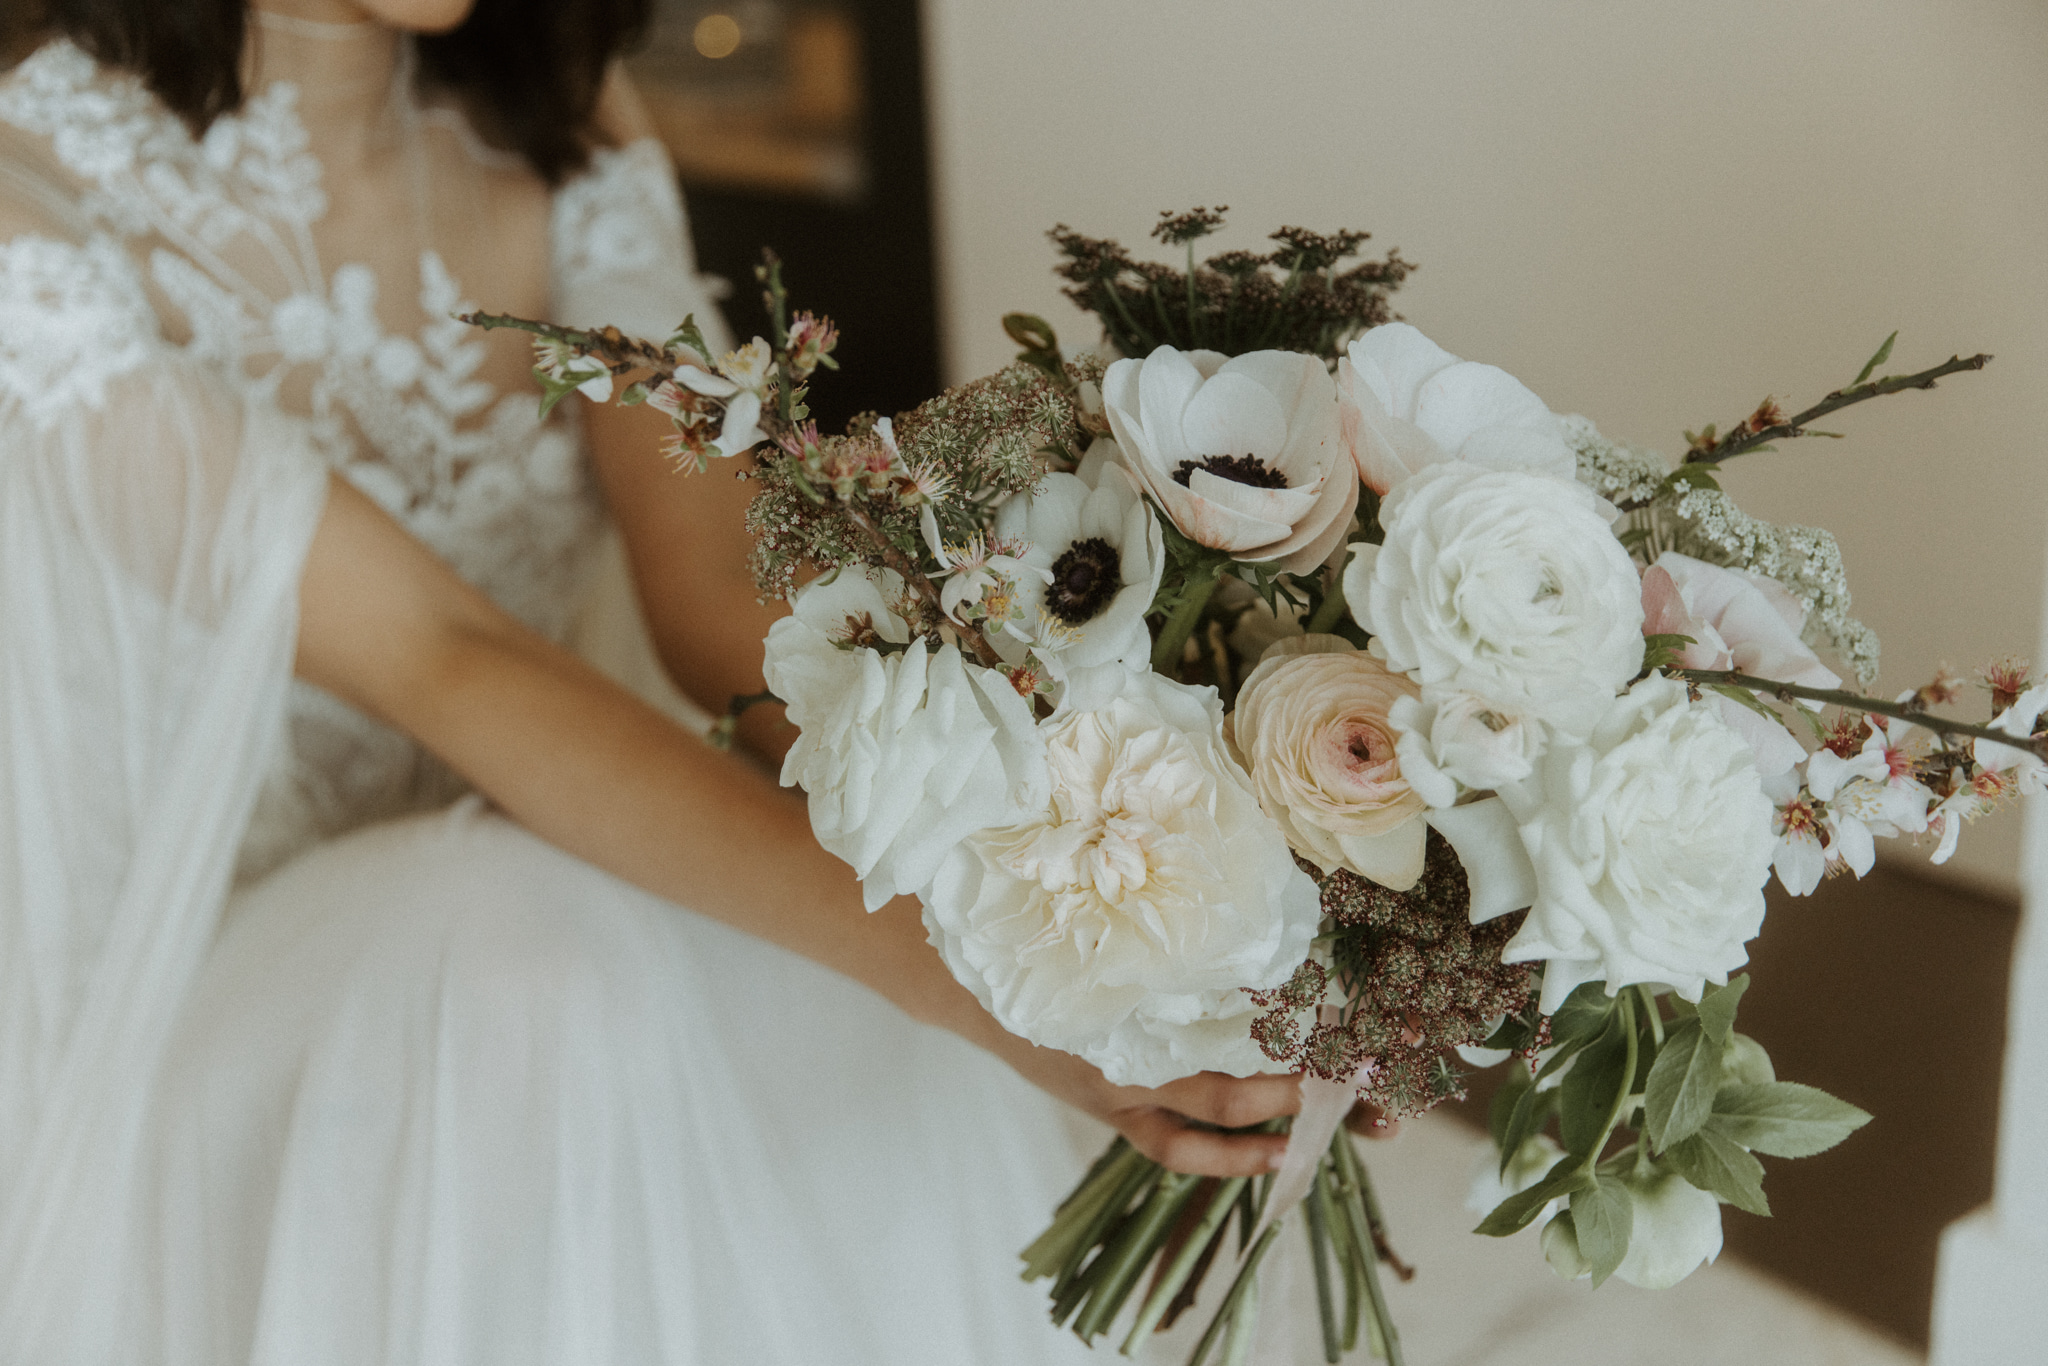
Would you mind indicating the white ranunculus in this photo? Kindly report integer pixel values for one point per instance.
(1096, 554)
(1311, 728)
(1651, 841)
(1453, 742)
(1124, 920)
(902, 753)
(1407, 403)
(1506, 587)
(1244, 452)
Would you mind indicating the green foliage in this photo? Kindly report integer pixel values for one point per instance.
(1603, 1217)
(1515, 1213)
(1721, 1167)
(689, 335)
(1783, 1118)
(1662, 651)
(1587, 1094)
(1884, 353)
(1683, 1081)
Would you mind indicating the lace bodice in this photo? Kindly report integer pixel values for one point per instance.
(310, 250)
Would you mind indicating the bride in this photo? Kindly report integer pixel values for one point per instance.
(306, 1057)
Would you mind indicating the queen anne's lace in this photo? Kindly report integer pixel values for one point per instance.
(220, 229)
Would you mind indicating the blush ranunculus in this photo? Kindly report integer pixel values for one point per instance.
(1311, 728)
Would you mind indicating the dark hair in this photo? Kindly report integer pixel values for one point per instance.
(529, 71)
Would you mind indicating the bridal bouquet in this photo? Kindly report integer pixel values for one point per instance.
(1272, 687)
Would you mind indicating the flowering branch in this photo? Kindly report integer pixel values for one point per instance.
(1849, 701)
(1760, 428)
(619, 352)
(893, 557)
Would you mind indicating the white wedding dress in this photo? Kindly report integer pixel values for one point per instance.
(306, 1058)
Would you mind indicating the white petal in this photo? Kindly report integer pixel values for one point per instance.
(1484, 837)
(1234, 414)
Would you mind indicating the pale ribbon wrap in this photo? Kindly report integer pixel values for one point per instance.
(1323, 1107)
(1502, 879)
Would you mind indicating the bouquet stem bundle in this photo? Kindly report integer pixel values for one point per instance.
(1129, 1213)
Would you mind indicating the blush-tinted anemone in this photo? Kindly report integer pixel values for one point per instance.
(1244, 454)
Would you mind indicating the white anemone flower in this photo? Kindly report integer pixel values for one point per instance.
(1243, 453)
(1096, 554)
(1407, 403)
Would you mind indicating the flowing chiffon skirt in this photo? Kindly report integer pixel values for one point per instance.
(448, 1096)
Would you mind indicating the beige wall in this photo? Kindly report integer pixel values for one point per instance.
(1654, 213)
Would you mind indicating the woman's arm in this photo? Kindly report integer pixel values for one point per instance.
(388, 627)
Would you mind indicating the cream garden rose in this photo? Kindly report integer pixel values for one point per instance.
(1311, 728)
(904, 753)
(1650, 842)
(1125, 918)
(1243, 453)
(1504, 586)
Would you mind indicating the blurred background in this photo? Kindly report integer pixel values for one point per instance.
(1654, 214)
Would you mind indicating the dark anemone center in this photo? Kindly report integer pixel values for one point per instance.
(1239, 469)
(1084, 579)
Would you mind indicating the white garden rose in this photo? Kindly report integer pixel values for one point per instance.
(902, 753)
(1407, 403)
(1096, 554)
(1453, 742)
(1506, 587)
(1651, 841)
(1243, 453)
(1124, 920)
(1311, 728)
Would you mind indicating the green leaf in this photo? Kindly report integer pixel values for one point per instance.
(1884, 353)
(1745, 1063)
(634, 394)
(1514, 1214)
(1603, 1217)
(1500, 1112)
(553, 391)
(1583, 1016)
(690, 335)
(1680, 1093)
(1661, 651)
(1588, 1094)
(1717, 1008)
(1747, 699)
(1784, 1118)
(1720, 1167)
(1532, 1110)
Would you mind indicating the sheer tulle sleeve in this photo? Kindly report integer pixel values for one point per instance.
(153, 523)
(622, 251)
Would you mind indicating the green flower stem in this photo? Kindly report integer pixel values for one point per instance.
(1651, 1013)
(1247, 1274)
(1183, 1265)
(1379, 1323)
(1075, 1280)
(1060, 1244)
(1329, 610)
(1628, 1082)
(1319, 1257)
(1173, 637)
(1133, 1248)
(1237, 1344)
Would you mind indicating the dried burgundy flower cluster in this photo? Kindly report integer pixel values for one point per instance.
(1289, 299)
(1419, 978)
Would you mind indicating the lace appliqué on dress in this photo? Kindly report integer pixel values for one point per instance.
(72, 321)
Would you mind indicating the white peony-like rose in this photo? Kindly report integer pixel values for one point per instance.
(1507, 587)
(1676, 1227)
(1124, 920)
(1096, 554)
(1650, 842)
(1244, 452)
(902, 753)
(1407, 403)
(1311, 728)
